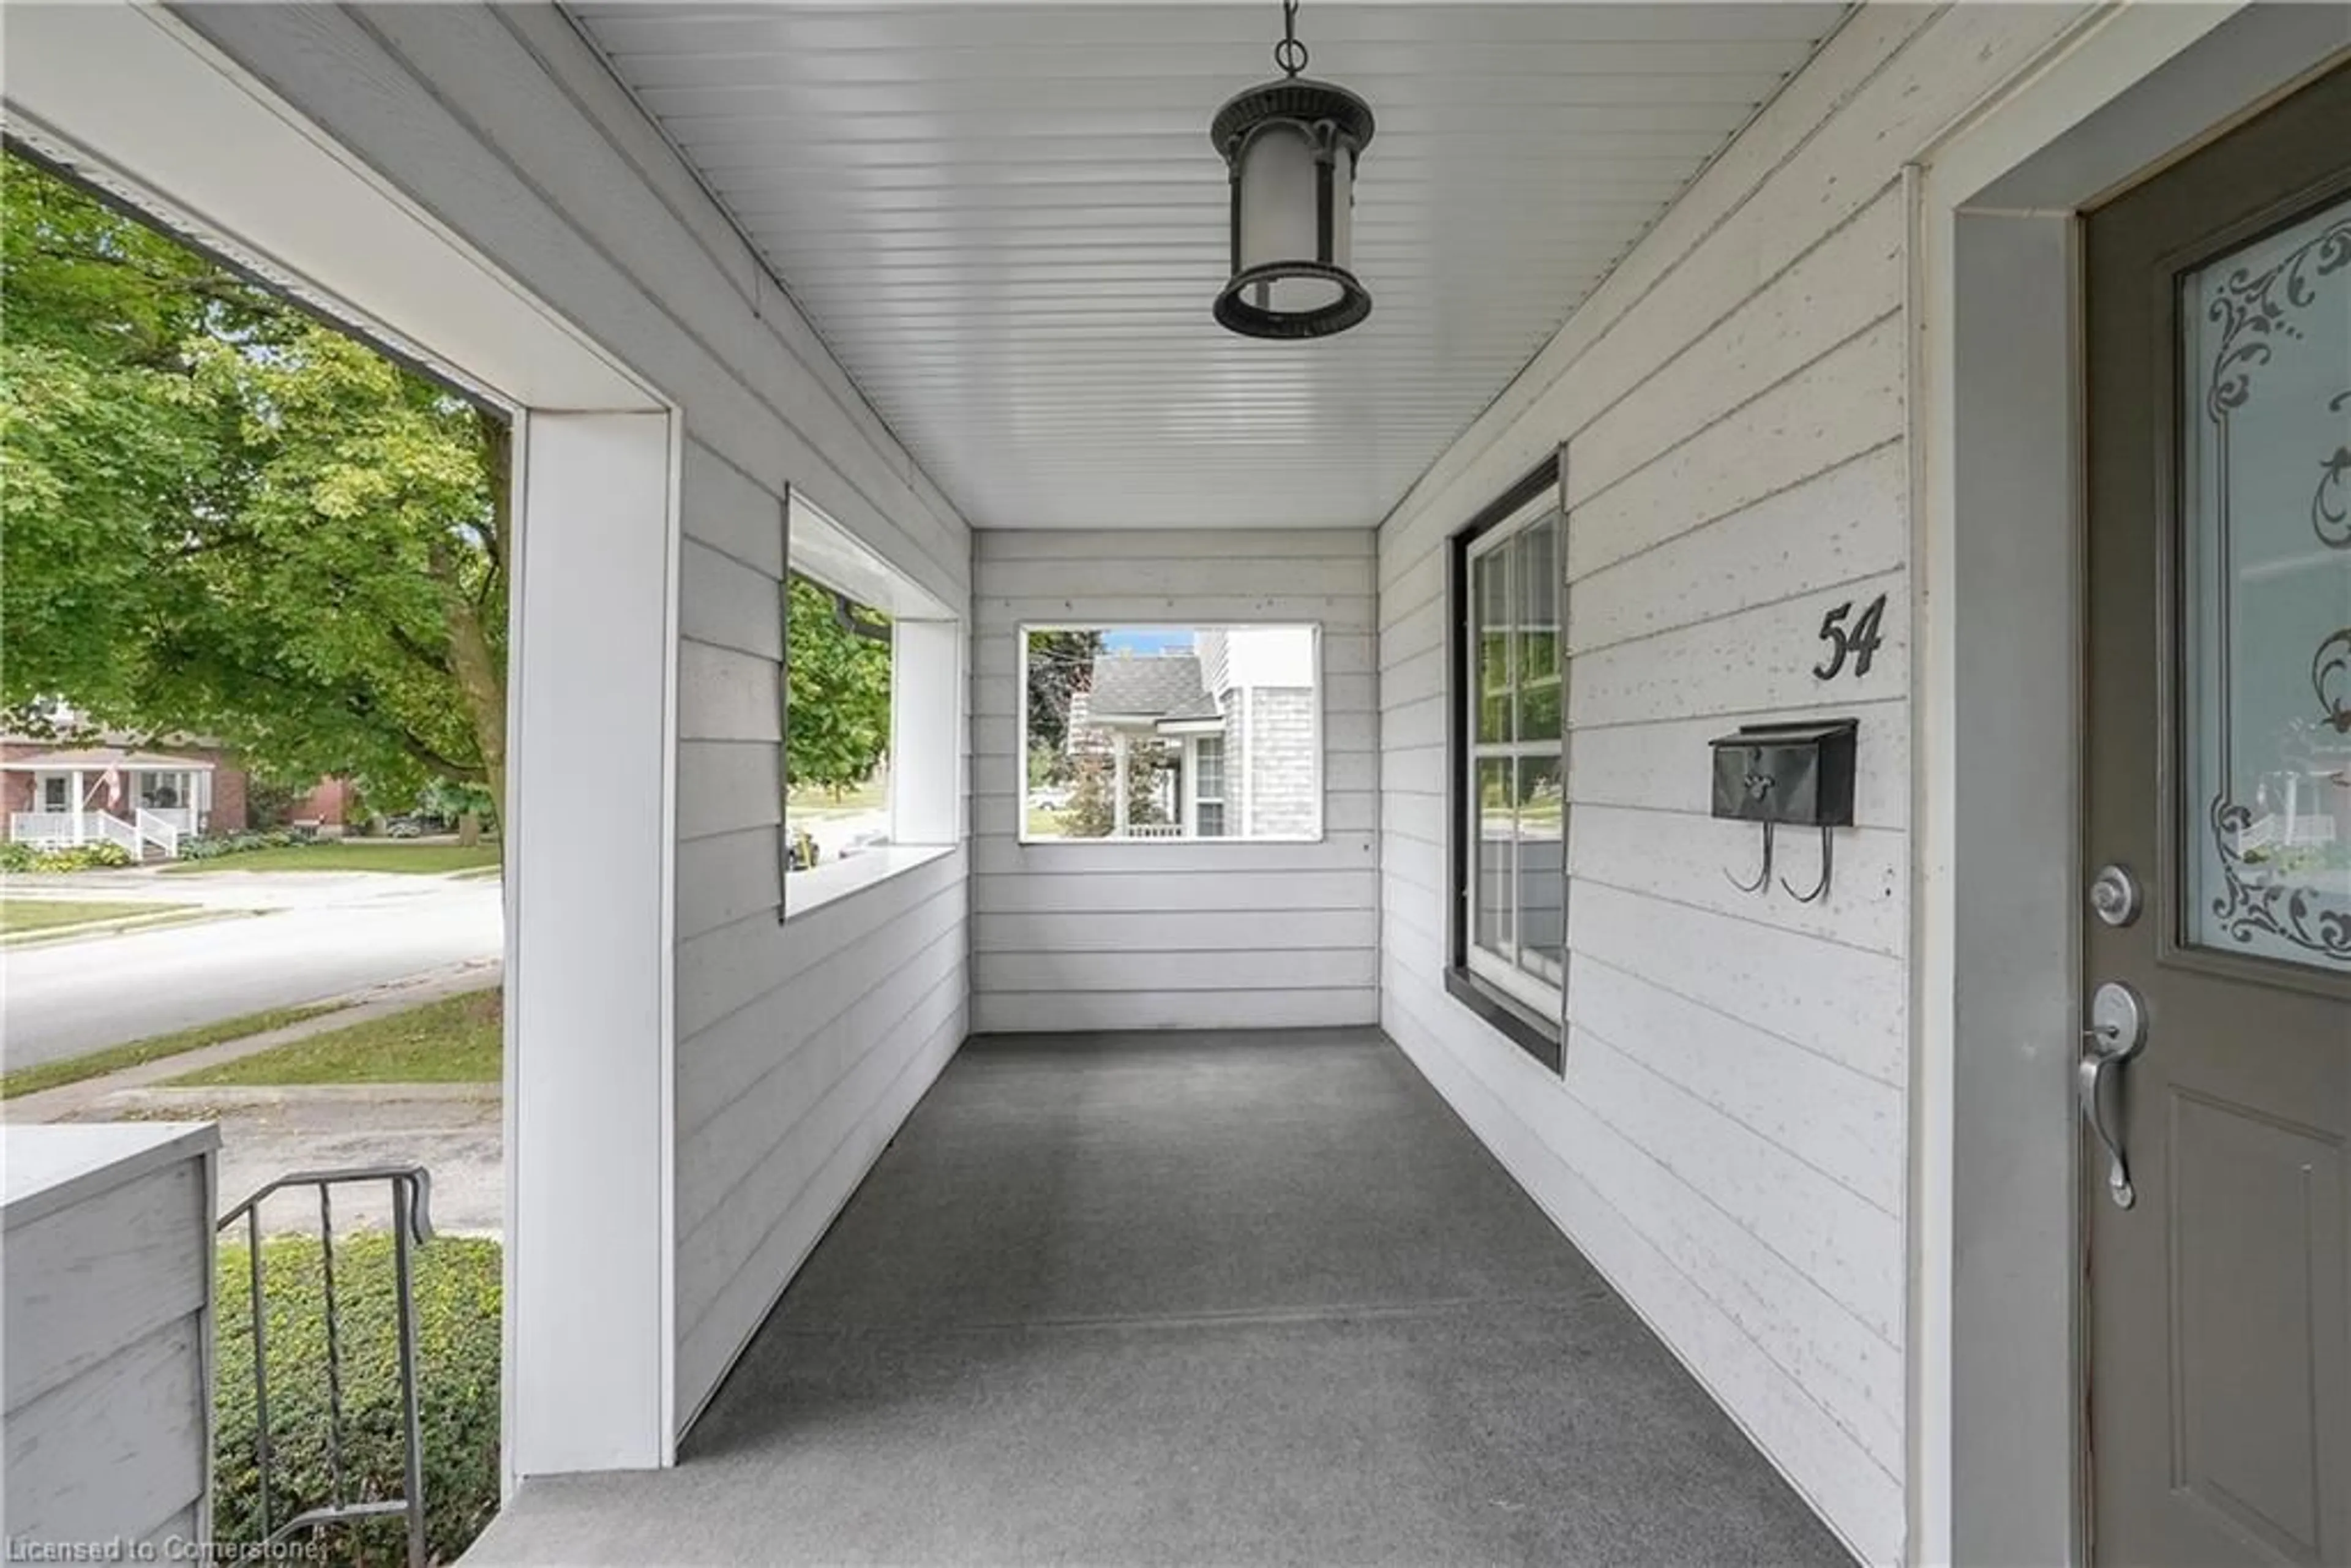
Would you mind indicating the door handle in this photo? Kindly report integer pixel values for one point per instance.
(2117, 1032)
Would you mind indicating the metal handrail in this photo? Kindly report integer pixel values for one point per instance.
(412, 1225)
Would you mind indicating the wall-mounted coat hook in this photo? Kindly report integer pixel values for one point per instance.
(1799, 774)
(1762, 876)
(1821, 888)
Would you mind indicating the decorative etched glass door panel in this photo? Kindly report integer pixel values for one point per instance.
(2216, 1080)
(2265, 493)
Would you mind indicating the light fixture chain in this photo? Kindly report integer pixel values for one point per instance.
(1289, 54)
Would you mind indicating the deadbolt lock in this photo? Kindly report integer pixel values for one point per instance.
(2114, 896)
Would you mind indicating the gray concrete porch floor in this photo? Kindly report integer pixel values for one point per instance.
(1226, 1297)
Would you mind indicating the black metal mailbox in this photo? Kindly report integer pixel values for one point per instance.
(1800, 774)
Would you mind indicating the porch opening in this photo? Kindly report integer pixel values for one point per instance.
(575, 514)
(257, 594)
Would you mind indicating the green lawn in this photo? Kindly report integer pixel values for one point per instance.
(51, 914)
(457, 1040)
(388, 855)
(114, 1059)
(814, 802)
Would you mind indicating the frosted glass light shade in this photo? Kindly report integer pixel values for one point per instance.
(1290, 148)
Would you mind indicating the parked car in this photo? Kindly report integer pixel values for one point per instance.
(802, 850)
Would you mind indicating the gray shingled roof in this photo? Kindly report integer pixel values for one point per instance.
(1201, 706)
(1131, 685)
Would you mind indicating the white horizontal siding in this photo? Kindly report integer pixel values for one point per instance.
(802, 1045)
(1163, 935)
(107, 1341)
(1728, 1137)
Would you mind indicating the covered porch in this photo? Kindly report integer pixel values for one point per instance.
(1242, 1297)
(1505, 1159)
(145, 802)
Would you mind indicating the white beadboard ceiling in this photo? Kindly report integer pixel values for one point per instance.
(1008, 224)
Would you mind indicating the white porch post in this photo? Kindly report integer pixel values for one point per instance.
(1118, 791)
(77, 805)
(589, 1330)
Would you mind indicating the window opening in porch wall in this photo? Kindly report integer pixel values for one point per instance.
(1167, 734)
(1726, 1140)
(837, 703)
(1188, 935)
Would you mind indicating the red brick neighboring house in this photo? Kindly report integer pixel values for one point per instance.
(178, 788)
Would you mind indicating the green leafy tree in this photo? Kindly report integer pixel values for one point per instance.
(222, 515)
(1061, 664)
(839, 692)
(1046, 767)
(1092, 810)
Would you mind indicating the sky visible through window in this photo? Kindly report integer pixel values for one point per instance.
(1120, 641)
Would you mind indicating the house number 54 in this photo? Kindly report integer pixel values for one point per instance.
(1857, 643)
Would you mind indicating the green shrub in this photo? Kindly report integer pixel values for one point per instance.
(15, 856)
(211, 846)
(458, 1295)
(83, 857)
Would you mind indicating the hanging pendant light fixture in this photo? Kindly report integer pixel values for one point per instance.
(1291, 147)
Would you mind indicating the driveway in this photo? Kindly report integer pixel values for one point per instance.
(323, 934)
(452, 1130)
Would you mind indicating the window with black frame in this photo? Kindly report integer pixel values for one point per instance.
(1508, 799)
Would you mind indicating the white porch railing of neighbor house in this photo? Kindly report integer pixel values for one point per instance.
(44, 828)
(162, 829)
(62, 829)
(106, 827)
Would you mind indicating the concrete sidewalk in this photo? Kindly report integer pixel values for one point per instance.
(75, 1101)
(453, 1130)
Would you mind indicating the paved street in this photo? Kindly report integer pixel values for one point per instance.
(324, 933)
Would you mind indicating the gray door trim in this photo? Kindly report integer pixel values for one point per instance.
(1996, 1369)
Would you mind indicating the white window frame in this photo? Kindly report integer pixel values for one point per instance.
(1532, 990)
(183, 790)
(924, 804)
(1221, 799)
(1319, 743)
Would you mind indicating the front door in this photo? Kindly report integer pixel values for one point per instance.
(2218, 828)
